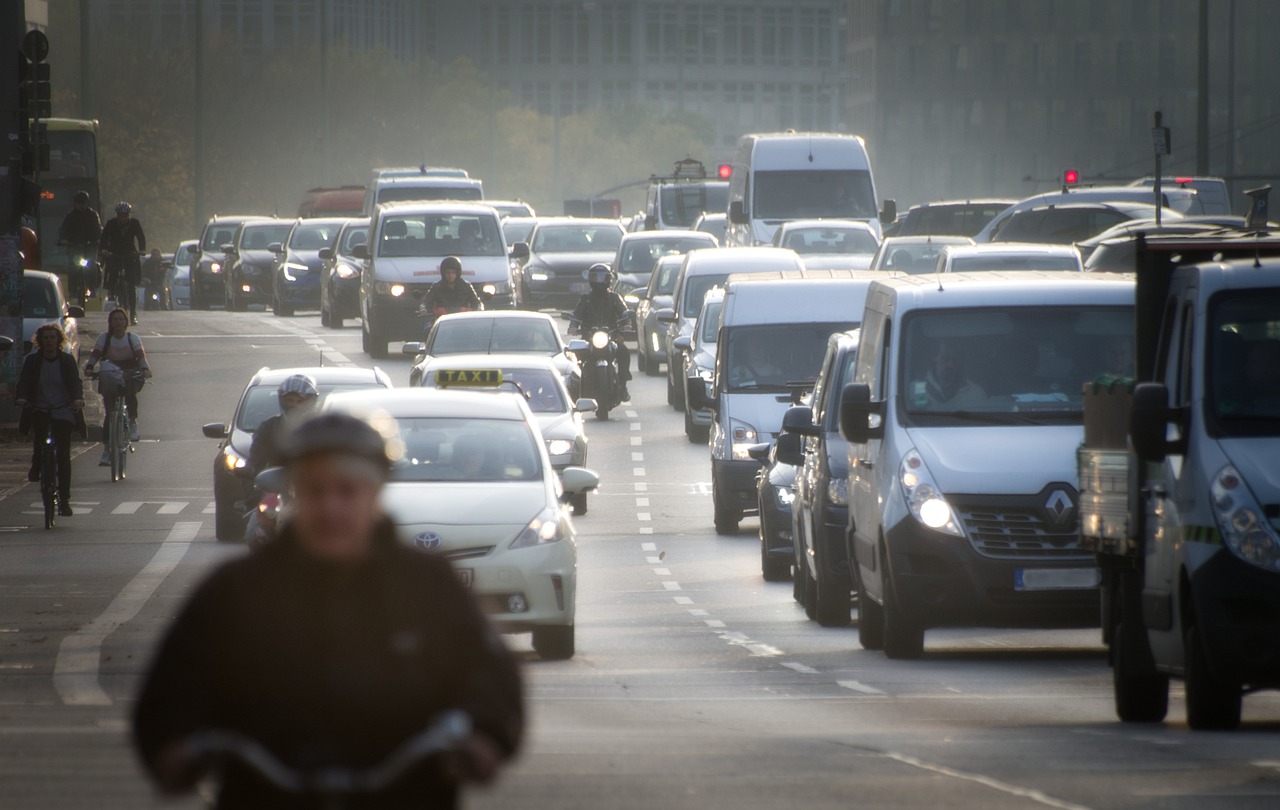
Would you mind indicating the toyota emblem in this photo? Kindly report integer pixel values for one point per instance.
(427, 541)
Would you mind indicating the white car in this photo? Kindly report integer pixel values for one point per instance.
(43, 301)
(495, 332)
(1009, 256)
(473, 482)
(830, 244)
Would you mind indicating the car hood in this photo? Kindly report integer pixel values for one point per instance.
(425, 270)
(257, 257)
(463, 514)
(557, 426)
(568, 262)
(837, 261)
(310, 258)
(961, 460)
(1254, 458)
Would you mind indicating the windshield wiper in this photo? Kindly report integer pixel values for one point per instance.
(1251, 417)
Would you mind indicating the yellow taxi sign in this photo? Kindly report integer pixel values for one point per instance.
(487, 377)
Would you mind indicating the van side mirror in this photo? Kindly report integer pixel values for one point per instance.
(360, 252)
(696, 393)
(856, 412)
(651, 222)
(1149, 421)
(790, 449)
(889, 212)
(215, 430)
(798, 420)
(75, 311)
(193, 250)
(737, 213)
(227, 248)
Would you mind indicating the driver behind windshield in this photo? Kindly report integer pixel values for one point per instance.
(946, 382)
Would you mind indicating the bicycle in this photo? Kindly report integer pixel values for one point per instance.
(48, 470)
(116, 285)
(113, 381)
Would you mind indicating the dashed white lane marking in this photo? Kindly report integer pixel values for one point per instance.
(75, 673)
(638, 472)
(642, 501)
(682, 600)
(642, 486)
(80, 507)
(671, 585)
(662, 572)
(653, 560)
(211, 509)
(648, 546)
(698, 612)
(164, 507)
(636, 441)
(994, 784)
(646, 530)
(632, 414)
(637, 456)
(644, 516)
(635, 425)
(804, 668)
(857, 686)
(714, 623)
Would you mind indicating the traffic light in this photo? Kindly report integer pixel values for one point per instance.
(35, 101)
(1070, 177)
(724, 171)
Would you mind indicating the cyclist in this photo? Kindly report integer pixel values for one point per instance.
(125, 350)
(603, 309)
(80, 230)
(50, 383)
(122, 242)
(331, 645)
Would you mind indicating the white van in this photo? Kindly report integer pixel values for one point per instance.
(783, 176)
(396, 187)
(963, 420)
(401, 261)
(771, 339)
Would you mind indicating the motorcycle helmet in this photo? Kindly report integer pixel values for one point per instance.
(123, 207)
(451, 263)
(81, 197)
(335, 432)
(599, 276)
(297, 384)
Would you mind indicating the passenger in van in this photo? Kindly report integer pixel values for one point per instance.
(756, 365)
(946, 382)
(470, 240)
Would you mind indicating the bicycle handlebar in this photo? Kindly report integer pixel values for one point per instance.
(445, 735)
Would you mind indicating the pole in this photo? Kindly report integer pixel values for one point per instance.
(198, 170)
(1231, 100)
(13, 23)
(86, 74)
(1159, 193)
(324, 92)
(423, 30)
(1202, 94)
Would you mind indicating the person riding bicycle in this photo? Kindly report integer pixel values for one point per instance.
(50, 383)
(602, 309)
(122, 242)
(332, 645)
(450, 293)
(80, 230)
(125, 350)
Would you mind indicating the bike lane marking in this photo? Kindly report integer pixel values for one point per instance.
(75, 673)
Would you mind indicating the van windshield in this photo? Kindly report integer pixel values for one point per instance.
(812, 194)
(1045, 356)
(1244, 344)
(440, 235)
(768, 357)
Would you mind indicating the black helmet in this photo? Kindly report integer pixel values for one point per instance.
(599, 276)
(451, 263)
(336, 432)
(297, 384)
(81, 197)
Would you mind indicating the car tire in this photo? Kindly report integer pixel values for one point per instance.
(902, 638)
(772, 567)
(373, 344)
(335, 320)
(1141, 693)
(642, 361)
(554, 642)
(833, 604)
(324, 315)
(653, 365)
(696, 434)
(808, 593)
(229, 524)
(1213, 704)
(579, 503)
(870, 623)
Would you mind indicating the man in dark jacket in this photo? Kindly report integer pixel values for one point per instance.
(604, 309)
(124, 242)
(450, 293)
(331, 646)
(80, 231)
(50, 382)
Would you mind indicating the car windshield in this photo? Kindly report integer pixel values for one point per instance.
(995, 261)
(668, 274)
(830, 240)
(354, 235)
(39, 299)
(481, 335)
(217, 236)
(262, 401)
(313, 235)
(577, 239)
(911, 259)
(682, 204)
(768, 357)
(640, 255)
(714, 226)
(809, 194)
(1244, 342)
(1046, 355)
(490, 450)
(695, 289)
(422, 235)
(709, 323)
(260, 237)
(540, 386)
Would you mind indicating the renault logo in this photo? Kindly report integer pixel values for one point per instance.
(1058, 506)
(427, 541)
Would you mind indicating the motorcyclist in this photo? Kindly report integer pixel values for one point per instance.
(297, 396)
(330, 647)
(602, 309)
(450, 293)
(80, 230)
(122, 242)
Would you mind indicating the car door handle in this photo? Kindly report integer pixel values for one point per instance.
(866, 465)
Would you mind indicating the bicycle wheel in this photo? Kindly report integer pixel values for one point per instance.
(115, 439)
(49, 485)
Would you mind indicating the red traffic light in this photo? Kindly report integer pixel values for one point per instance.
(724, 171)
(1070, 177)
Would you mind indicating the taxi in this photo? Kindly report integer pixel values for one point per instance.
(472, 481)
(558, 415)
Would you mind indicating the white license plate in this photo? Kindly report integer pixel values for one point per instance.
(580, 287)
(466, 575)
(1056, 579)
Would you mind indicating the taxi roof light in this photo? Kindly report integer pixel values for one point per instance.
(469, 377)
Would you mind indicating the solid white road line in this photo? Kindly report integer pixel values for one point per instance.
(75, 673)
(857, 686)
(994, 784)
(804, 668)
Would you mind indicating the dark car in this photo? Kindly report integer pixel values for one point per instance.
(651, 334)
(231, 483)
(249, 264)
(638, 254)
(947, 218)
(775, 493)
(821, 510)
(340, 274)
(556, 257)
(298, 265)
(1072, 222)
(207, 277)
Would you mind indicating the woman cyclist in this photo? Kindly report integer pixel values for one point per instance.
(51, 384)
(124, 349)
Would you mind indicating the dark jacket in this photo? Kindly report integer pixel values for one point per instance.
(266, 451)
(124, 242)
(29, 382)
(600, 309)
(80, 227)
(328, 665)
(456, 298)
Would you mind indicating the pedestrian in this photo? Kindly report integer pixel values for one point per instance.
(50, 390)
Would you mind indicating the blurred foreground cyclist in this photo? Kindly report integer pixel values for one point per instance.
(330, 646)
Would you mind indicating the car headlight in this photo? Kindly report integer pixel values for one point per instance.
(232, 460)
(558, 447)
(785, 495)
(345, 271)
(543, 529)
(838, 491)
(389, 288)
(924, 498)
(1245, 530)
(600, 339)
(215, 267)
(743, 436)
(83, 262)
(292, 270)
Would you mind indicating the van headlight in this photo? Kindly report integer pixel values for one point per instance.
(1244, 527)
(389, 288)
(838, 491)
(924, 498)
(543, 529)
(558, 447)
(743, 437)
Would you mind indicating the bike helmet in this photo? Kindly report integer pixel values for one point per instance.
(81, 197)
(335, 432)
(599, 276)
(297, 384)
(451, 263)
(123, 207)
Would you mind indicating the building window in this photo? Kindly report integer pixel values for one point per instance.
(769, 36)
(615, 28)
(574, 29)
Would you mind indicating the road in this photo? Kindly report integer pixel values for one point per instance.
(696, 683)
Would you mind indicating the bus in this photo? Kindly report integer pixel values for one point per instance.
(73, 166)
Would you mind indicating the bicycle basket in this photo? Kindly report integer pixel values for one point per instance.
(111, 380)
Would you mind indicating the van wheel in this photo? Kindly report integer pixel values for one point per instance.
(902, 639)
(726, 518)
(808, 593)
(1141, 693)
(653, 365)
(1213, 704)
(870, 623)
(772, 567)
(696, 434)
(374, 345)
(324, 315)
(642, 361)
(832, 603)
(553, 643)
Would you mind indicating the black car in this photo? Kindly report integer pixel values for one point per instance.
(557, 255)
(821, 510)
(298, 264)
(207, 279)
(249, 263)
(947, 218)
(340, 274)
(775, 492)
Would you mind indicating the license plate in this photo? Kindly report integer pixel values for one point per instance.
(1056, 579)
(466, 575)
(580, 287)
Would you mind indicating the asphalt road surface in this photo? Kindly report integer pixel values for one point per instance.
(696, 684)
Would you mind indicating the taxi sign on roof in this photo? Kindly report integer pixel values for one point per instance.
(469, 377)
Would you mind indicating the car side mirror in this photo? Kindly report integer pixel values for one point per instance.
(1149, 420)
(6, 343)
(325, 253)
(798, 420)
(684, 343)
(215, 430)
(410, 349)
(360, 252)
(651, 223)
(577, 480)
(696, 393)
(737, 213)
(586, 405)
(520, 251)
(666, 315)
(227, 248)
(193, 250)
(75, 311)
(275, 247)
(857, 425)
(790, 449)
(889, 212)
(272, 479)
(577, 346)
(760, 452)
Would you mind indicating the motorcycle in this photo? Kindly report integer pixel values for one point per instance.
(598, 354)
(263, 520)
